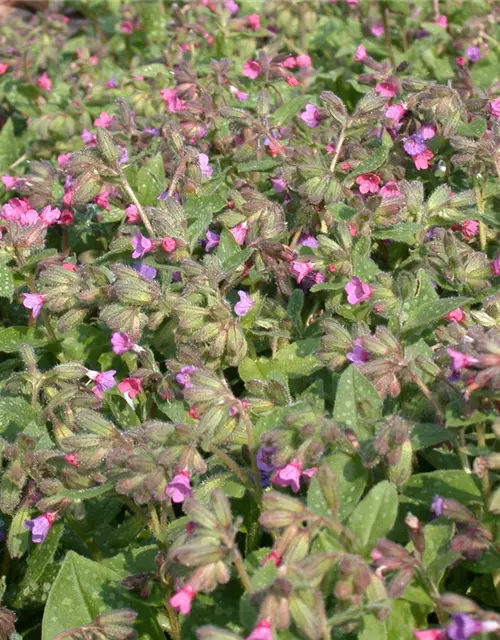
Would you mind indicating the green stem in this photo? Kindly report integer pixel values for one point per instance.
(229, 462)
(242, 572)
(130, 192)
(480, 210)
(251, 447)
(460, 447)
(338, 148)
(427, 393)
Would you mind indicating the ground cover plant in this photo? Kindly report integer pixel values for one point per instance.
(249, 269)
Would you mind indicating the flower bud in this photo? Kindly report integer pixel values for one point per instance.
(94, 422)
(400, 472)
(107, 146)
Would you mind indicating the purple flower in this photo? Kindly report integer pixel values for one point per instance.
(35, 302)
(212, 239)
(112, 83)
(414, 145)
(242, 307)
(205, 168)
(463, 627)
(359, 354)
(147, 272)
(179, 488)
(358, 291)
(265, 464)
(473, 54)
(141, 245)
(308, 240)
(88, 137)
(289, 476)
(279, 184)
(152, 131)
(121, 343)
(460, 360)
(239, 232)
(437, 506)
(40, 526)
(311, 116)
(231, 6)
(103, 380)
(183, 377)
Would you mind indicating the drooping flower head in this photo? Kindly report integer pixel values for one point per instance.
(179, 488)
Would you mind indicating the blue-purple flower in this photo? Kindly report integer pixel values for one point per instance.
(147, 272)
(184, 377)
(40, 526)
(414, 145)
(212, 239)
(242, 307)
(141, 245)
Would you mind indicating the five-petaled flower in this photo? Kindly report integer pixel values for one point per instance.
(358, 291)
(141, 245)
(179, 488)
(35, 302)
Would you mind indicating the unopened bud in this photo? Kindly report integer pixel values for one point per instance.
(107, 145)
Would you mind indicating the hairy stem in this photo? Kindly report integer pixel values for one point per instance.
(242, 572)
(130, 192)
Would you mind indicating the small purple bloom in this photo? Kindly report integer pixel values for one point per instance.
(112, 83)
(460, 360)
(179, 488)
(359, 354)
(35, 302)
(183, 377)
(40, 526)
(141, 245)
(212, 239)
(279, 184)
(358, 291)
(121, 343)
(308, 240)
(437, 506)
(205, 168)
(311, 116)
(147, 272)
(265, 464)
(414, 145)
(124, 155)
(103, 380)
(152, 131)
(473, 54)
(242, 307)
(463, 627)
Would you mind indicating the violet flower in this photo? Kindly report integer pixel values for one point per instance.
(358, 291)
(359, 354)
(103, 380)
(179, 488)
(212, 240)
(289, 476)
(141, 245)
(40, 526)
(121, 343)
(147, 272)
(265, 464)
(35, 302)
(205, 169)
(311, 116)
(183, 377)
(242, 307)
(414, 145)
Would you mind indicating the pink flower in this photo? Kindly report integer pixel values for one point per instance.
(67, 217)
(141, 245)
(132, 214)
(126, 27)
(205, 168)
(292, 81)
(253, 21)
(390, 189)
(89, 138)
(494, 108)
(172, 100)
(460, 360)
(273, 557)
(395, 112)
(457, 315)
(231, 6)
(430, 634)
(183, 599)
(121, 343)
(495, 266)
(289, 476)
(40, 526)
(358, 291)
(263, 630)
(241, 96)
(35, 302)
(251, 69)
(469, 228)
(289, 63)
(239, 232)
(3, 68)
(14, 209)
(179, 488)
(242, 307)
(311, 116)
(44, 82)
(360, 54)
(103, 380)
(427, 131)
(104, 120)
(301, 269)
(63, 158)
(50, 215)
(368, 183)
(386, 89)
(130, 387)
(309, 473)
(169, 244)
(421, 160)
(9, 182)
(303, 61)
(441, 21)
(377, 30)
(72, 459)
(69, 266)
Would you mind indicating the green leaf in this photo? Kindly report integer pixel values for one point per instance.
(228, 247)
(426, 315)
(404, 232)
(374, 516)
(372, 163)
(6, 282)
(428, 435)
(18, 538)
(257, 165)
(449, 483)
(87, 494)
(295, 306)
(290, 109)
(438, 556)
(84, 589)
(15, 414)
(11, 338)
(356, 399)
(8, 146)
(295, 360)
(351, 481)
(474, 129)
(199, 212)
(151, 181)
(373, 629)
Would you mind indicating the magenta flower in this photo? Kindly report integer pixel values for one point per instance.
(172, 100)
(141, 245)
(169, 244)
(183, 600)
(395, 112)
(473, 54)
(289, 476)
(126, 27)
(494, 108)
(308, 474)
(308, 240)
(40, 526)
(121, 343)
(35, 302)
(63, 158)
(414, 145)
(253, 21)
(44, 82)
(279, 184)
(242, 307)
(9, 182)
(212, 240)
(3, 68)
(89, 138)
(427, 131)
(289, 63)
(441, 21)
(251, 69)
(463, 627)
(386, 89)
(495, 266)
(179, 488)
(469, 228)
(132, 214)
(457, 315)
(311, 116)
(421, 161)
(377, 30)
(301, 269)
(358, 291)
(50, 215)
(460, 360)
(239, 232)
(390, 189)
(184, 378)
(263, 630)
(430, 634)
(104, 120)
(205, 168)
(368, 183)
(130, 387)
(359, 354)
(360, 54)
(103, 380)
(303, 61)
(231, 6)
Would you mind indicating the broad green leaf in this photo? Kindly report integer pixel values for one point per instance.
(8, 146)
(356, 399)
(428, 435)
(18, 538)
(295, 360)
(15, 414)
(475, 128)
(257, 165)
(291, 108)
(351, 478)
(6, 282)
(372, 163)
(373, 629)
(228, 247)
(433, 312)
(438, 556)
(404, 232)
(11, 338)
(199, 212)
(374, 516)
(452, 483)
(84, 589)
(151, 181)
(87, 494)
(295, 306)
